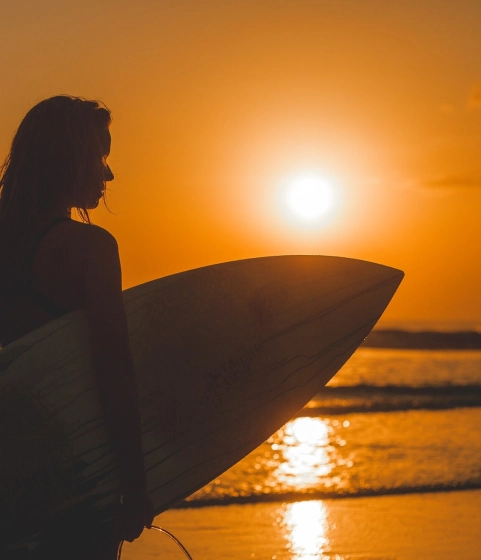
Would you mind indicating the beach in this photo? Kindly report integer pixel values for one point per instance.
(383, 464)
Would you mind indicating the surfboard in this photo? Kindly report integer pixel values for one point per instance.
(224, 356)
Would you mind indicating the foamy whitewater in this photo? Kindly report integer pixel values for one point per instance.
(390, 422)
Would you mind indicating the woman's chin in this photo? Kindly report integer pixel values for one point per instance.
(95, 202)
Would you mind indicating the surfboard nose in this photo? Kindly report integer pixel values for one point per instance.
(356, 291)
(324, 283)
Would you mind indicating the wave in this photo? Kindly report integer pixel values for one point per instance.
(194, 502)
(390, 398)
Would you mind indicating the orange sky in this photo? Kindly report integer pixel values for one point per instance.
(216, 104)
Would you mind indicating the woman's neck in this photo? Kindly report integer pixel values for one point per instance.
(56, 213)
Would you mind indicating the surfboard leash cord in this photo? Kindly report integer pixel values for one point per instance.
(165, 532)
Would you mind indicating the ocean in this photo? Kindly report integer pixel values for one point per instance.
(397, 430)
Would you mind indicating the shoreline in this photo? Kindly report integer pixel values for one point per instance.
(293, 497)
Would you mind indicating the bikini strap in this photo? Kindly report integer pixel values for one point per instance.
(43, 232)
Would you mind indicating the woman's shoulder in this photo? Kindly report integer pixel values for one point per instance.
(88, 236)
(93, 248)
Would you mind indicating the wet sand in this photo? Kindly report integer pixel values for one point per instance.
(441, 526)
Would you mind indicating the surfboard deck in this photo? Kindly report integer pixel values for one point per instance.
(224, 356)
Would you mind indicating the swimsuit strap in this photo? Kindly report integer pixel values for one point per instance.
(44, 302)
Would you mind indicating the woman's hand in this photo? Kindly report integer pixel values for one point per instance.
(135, 514)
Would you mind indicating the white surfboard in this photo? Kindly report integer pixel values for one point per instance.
(224, 356)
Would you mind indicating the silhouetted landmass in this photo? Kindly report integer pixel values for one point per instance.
(424, 340)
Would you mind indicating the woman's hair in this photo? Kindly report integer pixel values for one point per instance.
(57, 159)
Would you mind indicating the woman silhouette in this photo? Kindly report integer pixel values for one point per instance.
(52, 265)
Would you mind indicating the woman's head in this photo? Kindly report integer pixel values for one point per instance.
(57, 159)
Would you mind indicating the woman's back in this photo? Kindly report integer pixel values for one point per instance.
(50, 283)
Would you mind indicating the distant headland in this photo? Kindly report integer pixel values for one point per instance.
(423, 340)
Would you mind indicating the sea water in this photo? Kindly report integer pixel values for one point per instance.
(383, 464)
(390, 422)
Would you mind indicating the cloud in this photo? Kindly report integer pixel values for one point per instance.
(440, 186)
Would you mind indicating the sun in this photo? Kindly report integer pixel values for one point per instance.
(309, 198)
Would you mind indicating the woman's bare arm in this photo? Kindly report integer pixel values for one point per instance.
(114, 370)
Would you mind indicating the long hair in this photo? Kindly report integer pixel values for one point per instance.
(56, 160)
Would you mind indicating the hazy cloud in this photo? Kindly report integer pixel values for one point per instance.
(452, 181)
(446, 108)
(474, 100)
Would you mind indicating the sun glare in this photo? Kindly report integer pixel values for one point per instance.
(309, 198)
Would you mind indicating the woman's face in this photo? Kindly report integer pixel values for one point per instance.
(105, 141)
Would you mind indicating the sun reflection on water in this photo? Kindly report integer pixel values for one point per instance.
(303, 445)
(305, 528)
